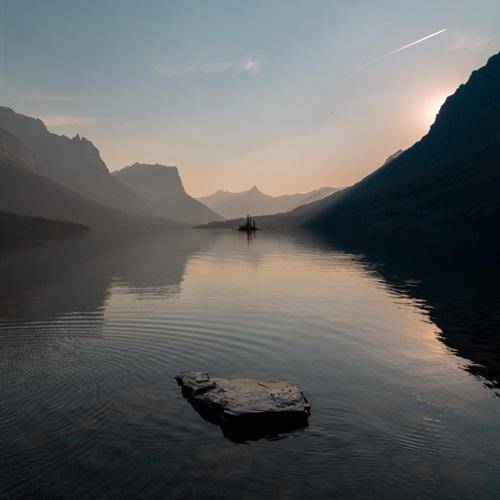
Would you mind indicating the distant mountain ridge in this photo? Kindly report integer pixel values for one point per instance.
(255, 202)
(162, 186)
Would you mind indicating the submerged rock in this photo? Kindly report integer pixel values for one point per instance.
(245, 408)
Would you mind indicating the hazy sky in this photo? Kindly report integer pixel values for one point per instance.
(238, 93)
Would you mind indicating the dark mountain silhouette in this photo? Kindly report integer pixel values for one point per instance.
(163, 187)
(25, 192)
(17, 227)
(452, 175)
(255, 202)
(316, 195)
(393, 156)
(73, 163)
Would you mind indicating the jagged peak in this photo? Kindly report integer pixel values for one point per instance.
(27, 127)
(149, 166)
(35, 125)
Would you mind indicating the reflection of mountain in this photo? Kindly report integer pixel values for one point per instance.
(13, 226)
(454, 276)
(48, 280)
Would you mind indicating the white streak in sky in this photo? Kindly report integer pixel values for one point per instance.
(420, 40)
(249, 65)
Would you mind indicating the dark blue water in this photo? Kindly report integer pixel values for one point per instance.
(395, 342)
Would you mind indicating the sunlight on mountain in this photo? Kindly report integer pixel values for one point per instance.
(431, 108)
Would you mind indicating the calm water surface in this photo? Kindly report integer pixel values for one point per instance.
(396, 343)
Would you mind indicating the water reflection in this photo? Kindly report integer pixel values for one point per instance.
(453, 275)
(49, 279)
(92, 334)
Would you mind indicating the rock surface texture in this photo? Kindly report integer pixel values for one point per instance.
(246, 408)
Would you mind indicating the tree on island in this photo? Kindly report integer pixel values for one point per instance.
(249, 225)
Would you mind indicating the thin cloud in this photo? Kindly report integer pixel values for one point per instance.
(250, 65)
(469, 41)
(404, 47)
(175, 70)
(48, 97)
(64, 120)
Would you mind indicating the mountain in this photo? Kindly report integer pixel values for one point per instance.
(25, 192)
(393, 156)
(255, 202)
(163, 187)
(15, 227)
(316, 195)
(452, 175)
(73, 163)
(13, 149)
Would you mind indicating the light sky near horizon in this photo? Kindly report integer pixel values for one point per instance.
(240, 93)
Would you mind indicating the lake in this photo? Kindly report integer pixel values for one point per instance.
(395, 340)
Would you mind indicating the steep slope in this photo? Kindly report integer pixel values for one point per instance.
(13, 226)
(452, 175)
(25, 192)
(74, 163)
(316, 195)
(255, 202)
(13, 149)
(163, 187)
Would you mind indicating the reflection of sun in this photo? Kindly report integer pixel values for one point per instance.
(431, 108)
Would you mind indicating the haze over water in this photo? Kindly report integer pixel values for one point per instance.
(394, 346)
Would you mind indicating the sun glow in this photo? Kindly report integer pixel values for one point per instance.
(432, 106)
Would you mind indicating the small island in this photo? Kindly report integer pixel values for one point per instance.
(249, 225)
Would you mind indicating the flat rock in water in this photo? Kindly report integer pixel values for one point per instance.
(245, 408)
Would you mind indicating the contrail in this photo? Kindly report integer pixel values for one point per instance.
(403, 48)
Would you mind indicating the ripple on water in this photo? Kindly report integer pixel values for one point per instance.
(90, 408)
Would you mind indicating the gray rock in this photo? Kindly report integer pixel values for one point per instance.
(246, 408)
